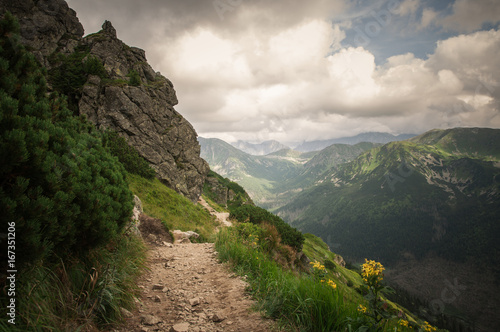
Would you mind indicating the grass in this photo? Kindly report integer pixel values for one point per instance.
(317, 250)
(80, 294)
(175, 211)
(298, 302)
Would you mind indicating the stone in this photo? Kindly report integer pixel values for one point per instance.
(217, 317)
(108, 29)
(182, 327)
(158, 287)
(156, 298)
(195, 301)
(145, 116)
(183, 237)
(150, 320)
(125, 313)
(339, 260)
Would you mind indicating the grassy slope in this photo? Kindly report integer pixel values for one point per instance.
(176, 211)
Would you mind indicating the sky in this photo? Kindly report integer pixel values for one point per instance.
(294, 70)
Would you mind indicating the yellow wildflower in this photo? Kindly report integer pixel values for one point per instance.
(372, 270)
(362, 309)
(317, 265)
(332, 284)
(403, 322)
(428, 327)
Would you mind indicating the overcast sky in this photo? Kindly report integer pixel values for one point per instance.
(295, 70)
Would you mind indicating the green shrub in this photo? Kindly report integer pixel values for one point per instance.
(135, 79)
(256, 215)
(72, 71)
(127, 155)
(329, 264)
(60, 186)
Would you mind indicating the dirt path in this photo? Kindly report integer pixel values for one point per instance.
(221, 216)
(187, 289)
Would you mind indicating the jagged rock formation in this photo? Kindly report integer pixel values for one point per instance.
(46, 26)
(142, 112)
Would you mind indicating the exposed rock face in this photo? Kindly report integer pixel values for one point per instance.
(143, 112)
(46, 26)
(222, 194)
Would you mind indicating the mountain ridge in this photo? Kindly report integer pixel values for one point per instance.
(259, 149)
(372, 137)
(436, 195)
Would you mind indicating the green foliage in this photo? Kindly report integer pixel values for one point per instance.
(127, 155)
(72, 71)
(62, 189)
(256, 215)
(329, 264)
(135, 79)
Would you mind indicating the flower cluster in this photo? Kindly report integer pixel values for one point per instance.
(318, 266)
(362, 309)
(330, 283)
(253, 240)
(319, 271)
(372, 272)
(428, 327)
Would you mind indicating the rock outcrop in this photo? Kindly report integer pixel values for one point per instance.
(47, 26)
(220, 194)
(143, 114)
(133, 99)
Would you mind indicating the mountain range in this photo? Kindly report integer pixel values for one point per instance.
(427, 207)
(273, 178)
(259, 149)
(373, 137)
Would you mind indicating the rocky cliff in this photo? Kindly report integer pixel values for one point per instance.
(142, 112)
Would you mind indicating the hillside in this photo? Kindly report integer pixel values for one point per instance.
(434, 195)
(257, 174)
(272, 180)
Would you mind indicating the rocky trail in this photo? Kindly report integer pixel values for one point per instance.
(187, 289)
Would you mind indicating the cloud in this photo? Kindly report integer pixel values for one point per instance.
(470, 15)
(429, 17)
(278, 70)
(407, 7)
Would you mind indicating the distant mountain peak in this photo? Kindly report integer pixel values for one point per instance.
(259, 149)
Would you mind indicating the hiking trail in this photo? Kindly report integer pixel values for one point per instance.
(188, 290)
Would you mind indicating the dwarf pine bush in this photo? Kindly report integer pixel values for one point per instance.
(61, 187)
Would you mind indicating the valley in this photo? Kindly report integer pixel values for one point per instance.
(407, 204)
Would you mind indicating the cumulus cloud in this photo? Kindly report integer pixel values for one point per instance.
(277, 70)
